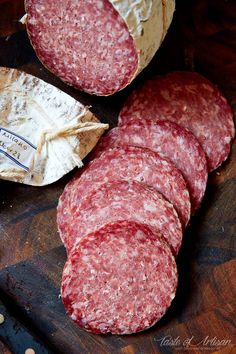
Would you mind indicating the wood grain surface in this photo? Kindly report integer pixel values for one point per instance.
(202, 316)
(10, 14)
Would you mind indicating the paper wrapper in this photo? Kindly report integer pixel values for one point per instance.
(44, 133)
(148, 22)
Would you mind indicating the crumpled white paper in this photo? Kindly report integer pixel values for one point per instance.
(44, 133)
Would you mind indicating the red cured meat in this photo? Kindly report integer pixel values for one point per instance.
(193, 102)
(119, 279)
(86, 43)
(64, 214)
(125, 200)
(176, 143)
(127, 163)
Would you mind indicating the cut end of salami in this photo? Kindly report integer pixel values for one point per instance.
(85, 43)
(190, 100)
(120, 279)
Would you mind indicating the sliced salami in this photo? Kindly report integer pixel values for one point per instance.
(193, 102)
(119, 279)
(97, 46)
(125, 200)
(128, 163)
(63, 209)
(174, 142)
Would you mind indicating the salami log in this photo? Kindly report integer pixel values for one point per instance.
(97, 46)
(127, 163)
(119, 279)
(125, 200)
(176, 143)
(193, 102)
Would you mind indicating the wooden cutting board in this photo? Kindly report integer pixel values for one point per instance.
(202, 317)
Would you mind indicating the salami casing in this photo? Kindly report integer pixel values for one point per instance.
(44, 133)
(97, 46)
(193, 102)
(176, 143)
(119, 279)
(124, 200)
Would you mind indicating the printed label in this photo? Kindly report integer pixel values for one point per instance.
(16, 148)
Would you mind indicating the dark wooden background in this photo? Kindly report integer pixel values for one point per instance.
(202, 38)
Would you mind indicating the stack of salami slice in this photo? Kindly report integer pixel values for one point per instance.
(122, 218)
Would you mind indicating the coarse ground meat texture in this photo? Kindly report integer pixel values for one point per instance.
(86, 43)
(119, 279)
(125, 200)
(193, 102)
(127, 163)
(64, 214)
(176, 143)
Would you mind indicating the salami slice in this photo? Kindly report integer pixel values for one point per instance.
(120, 279)
(64, 216)
(128, 163)
(193, 102)
(125, 200)
(97, 46)
(176, 143)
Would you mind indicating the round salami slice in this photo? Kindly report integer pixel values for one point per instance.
(64, 216)
(129, 163)
(174, 142)
(193, 102)
(125, 200)
(119, 279)
(97, 46)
